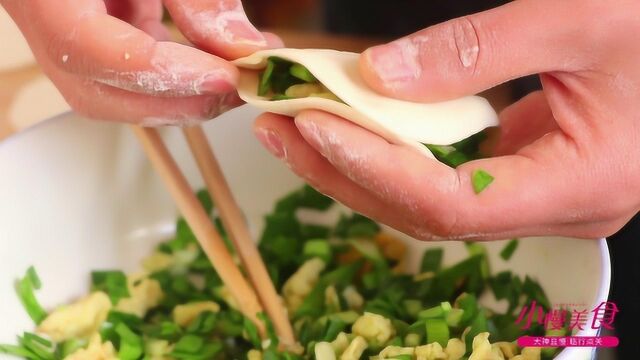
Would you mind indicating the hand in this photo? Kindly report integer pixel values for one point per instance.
(110, 69)
(568, 157)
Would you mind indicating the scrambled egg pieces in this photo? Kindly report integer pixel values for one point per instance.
(300, 284)
(184, 315)
(78, 320)
(144, 294)
(371, 329)
(83, 318)
(374, 328)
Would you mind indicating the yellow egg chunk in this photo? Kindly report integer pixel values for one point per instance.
(355, 349)
(78, 320)
(300, 284)
(184, 315)
(144, 294)
(324, 351)
(376, 329)
(303, 90)
(431, 351)
(157, 349)
(96, 350)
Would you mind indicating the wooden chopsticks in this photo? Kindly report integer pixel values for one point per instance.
(207, 234)
(233, 221)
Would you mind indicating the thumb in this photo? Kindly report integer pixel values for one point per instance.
(220, 27)
(467, 55)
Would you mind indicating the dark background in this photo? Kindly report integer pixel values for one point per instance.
(388, 19)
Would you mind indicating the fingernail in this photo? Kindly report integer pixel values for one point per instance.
(271, 140)
(245, 33)
(214, 84)
(395, 62)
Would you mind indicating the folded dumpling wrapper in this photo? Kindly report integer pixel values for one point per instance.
(399, 122)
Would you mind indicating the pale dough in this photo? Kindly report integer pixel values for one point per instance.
(399, 122)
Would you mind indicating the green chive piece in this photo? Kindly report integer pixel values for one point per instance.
(203, 324)
(348, 317)
(437, 331)
(431, 260)
(333, 328)
(205, 200)
(431, 313)
(34, 278)
(477, 249)
(302, 73)
(70, 346)
(534, 291)
(265, 78)
(114, 283)
(41, 347)
(403, 357)
(131, 347)
(17, 351)
(509, 249)
(481, 180)
(448, 155)
(317, 248)
(25, 288)
(188, 345)
(251, 331)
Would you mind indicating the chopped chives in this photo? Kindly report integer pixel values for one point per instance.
(41, 347)
(251, 331)
(188, 345)
(333, 328)
(131, 347)
(317, 248)
(302, 73)
(481, 180)
(477, 249)
(437, 331)
(25, 288)
(403, 357)
(70, 346)
(265, 78)
(419, 308)
(431, 260)
(509, 249)
(114, 283)
(17, 351)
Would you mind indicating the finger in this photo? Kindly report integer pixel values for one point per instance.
(145, 15)
(220, 27)
(534, 189)
(281, 137)
(96, 100)
(524, 122)
(470, 54)
(87, 42)
(273, 40)
(396, 174)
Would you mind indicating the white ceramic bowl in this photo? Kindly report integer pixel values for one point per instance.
(77, 195)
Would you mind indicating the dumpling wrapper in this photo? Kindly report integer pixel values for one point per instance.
(397, 121)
